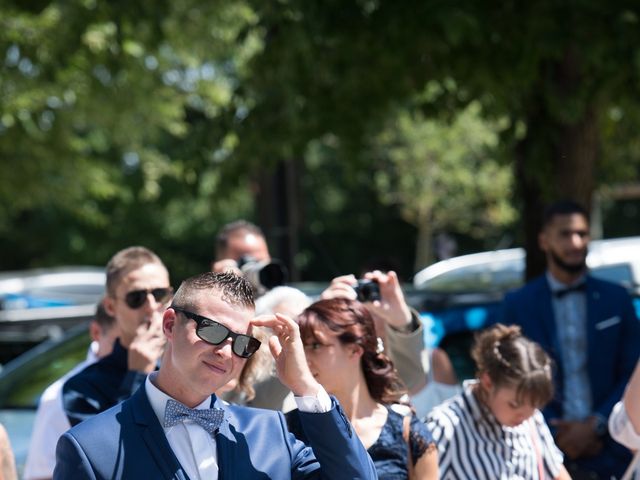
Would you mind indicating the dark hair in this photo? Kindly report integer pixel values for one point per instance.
(231, 229)
(352, 323)
(512, 360)
(125, 261)
(563, 207)
(102, 318)
(234, 289)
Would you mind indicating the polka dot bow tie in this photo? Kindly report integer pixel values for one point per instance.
(210, 419)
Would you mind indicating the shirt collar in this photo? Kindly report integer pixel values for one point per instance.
(556, 284)
(158, 399)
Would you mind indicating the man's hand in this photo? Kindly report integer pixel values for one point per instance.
(286, 347)
(147, 346)
(577, 438)
(226, 265)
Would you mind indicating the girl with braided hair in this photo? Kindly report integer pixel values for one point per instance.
(494, 428)
(347, 357)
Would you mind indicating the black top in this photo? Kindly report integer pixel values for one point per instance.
(100, 386)
(389, 452)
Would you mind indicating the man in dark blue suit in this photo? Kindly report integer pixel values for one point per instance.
(589, 328)
(174, 427)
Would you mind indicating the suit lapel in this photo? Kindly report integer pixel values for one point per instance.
(547, 316)
(593, 315)
(225, 443)
(154, 437)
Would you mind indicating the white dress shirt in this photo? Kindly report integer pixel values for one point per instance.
(194, 448)
(50, 423)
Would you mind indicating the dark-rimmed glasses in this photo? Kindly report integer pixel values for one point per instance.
(137, 298)
(215, 333)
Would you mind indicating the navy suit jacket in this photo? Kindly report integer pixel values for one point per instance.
(127, 441)
(613, 337)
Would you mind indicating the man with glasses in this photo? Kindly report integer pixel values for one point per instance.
(138, 292)
(176, 427)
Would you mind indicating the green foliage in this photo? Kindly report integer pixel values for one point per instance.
(444, 176)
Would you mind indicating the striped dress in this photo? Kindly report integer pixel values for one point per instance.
(473, 445)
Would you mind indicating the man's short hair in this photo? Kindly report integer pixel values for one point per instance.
(233, 289)
(125, 261)
(231, 229)
(563, 207)
(102, 318)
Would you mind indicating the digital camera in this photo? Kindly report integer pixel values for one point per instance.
(263, 275)
(367, 290)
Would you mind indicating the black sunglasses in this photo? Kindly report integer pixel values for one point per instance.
(215, 333)
(137, 298)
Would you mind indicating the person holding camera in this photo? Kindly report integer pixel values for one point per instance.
(241, 247)
(344, 354)
(398, 326)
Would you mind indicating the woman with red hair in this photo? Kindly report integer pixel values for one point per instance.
(347, 357)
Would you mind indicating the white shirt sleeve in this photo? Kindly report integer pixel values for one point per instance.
(621, 429)
(321, 403)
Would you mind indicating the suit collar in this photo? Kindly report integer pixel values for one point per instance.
(153, 435)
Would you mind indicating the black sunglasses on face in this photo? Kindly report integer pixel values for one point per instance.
(137, 298)
(215, 333)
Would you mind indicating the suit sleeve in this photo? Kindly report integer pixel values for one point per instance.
(334, 446)
(629, 352)
(405, 349)
(71, 461)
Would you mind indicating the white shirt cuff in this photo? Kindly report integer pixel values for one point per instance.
(321, 403)
(621, 429)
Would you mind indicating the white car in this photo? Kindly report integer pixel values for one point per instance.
(464, 294)
(42, 303)
(617, 260)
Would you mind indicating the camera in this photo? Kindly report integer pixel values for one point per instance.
(263, 275)
(367, 290)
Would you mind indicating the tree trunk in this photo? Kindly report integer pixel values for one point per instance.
(424, 243)
(551, 168)
(277, 202)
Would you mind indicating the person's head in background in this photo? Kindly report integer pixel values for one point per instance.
(103, 331)
(514, 374)
(344, 353)
(138, 290)
(564, 239)
(238, 239)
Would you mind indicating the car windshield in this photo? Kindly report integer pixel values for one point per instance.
(488, 277)
(23, 381)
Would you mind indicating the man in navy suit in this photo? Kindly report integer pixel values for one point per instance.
(174, 427)
(589, 328)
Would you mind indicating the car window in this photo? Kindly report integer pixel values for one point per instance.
(487, 277)
(23, 381)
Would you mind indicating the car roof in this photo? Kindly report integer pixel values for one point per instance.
(501, 270)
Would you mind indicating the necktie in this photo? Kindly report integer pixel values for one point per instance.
(210, 419)
(581, 287)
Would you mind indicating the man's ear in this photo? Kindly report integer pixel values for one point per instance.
(109, 305)
(543, 240)
(95, 332)
(169, 321)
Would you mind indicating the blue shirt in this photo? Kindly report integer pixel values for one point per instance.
(570, 312)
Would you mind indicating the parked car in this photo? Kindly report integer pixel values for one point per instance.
(39, 304)
(23, 380)
(464, 294)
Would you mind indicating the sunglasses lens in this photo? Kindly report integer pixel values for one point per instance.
(162, 295)
(136, 298)
(244, 346)
(214, 333)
